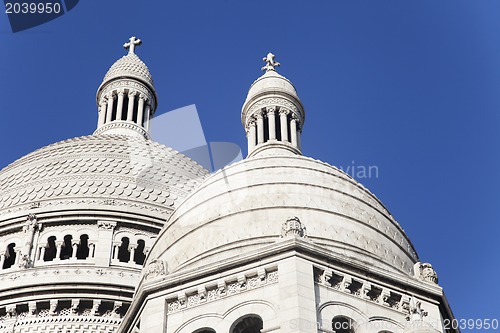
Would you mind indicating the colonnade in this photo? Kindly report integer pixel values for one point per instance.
(263, 127)
(129, 113)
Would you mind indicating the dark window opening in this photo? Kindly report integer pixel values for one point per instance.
(139, 255)
(113, 112)
(288, 125)
(341, 324)
(67, 249)
(82, 251)
(205, 330)
(250, 324)
(266, 129)
(125, 107)
(10, 256)
(136, 108)
(50, 250)
(277, 125)
(123, 252)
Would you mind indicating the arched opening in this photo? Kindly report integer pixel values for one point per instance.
(247, 324)
(125, 107)
(341, 324)
(67, 249)
(205, 330)
(82, 251)
(123, 252)
(50, 250)
(139, 255)
(10, 256)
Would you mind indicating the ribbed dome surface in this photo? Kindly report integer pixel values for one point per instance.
(129, 65)
(91, 169)
(243, 207)
(270, 82)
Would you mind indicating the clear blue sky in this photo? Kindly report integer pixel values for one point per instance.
(412, 87)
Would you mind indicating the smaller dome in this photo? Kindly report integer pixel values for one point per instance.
(271, 82)
(129, 65)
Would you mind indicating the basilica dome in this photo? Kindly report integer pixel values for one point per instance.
(246, 206)
(243, 208)
(99, 171)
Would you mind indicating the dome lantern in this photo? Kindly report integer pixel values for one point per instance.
(127, 97)
(272, 114)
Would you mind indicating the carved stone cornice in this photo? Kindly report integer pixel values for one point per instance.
(123, 125)
(106, 225)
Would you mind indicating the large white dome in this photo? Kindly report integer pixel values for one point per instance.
(243, 207)
(101, 172)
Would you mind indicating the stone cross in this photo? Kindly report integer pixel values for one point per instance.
(270, 63)
(133, 41)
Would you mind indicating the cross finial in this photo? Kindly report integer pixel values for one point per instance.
(270, 63)
(133, 41)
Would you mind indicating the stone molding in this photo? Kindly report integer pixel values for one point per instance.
(274, 101)
(362, 289)
(122, 124)
(128, 84)
(219, 289)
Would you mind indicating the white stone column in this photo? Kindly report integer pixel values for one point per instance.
(102, 113)
(119, 108)
(132, 248)
(109, 112)
(42, 253)
(19, 254)
(293, 130)
(251, 135)
(116, 249)
(260, 128)
(272, 122)
(284, 125)
(131, 100)
(74, 244)
(2, 260)
(91, 249)
(58, 250)
(147, 116)
(140, 111)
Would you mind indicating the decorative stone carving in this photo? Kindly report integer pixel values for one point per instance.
(95, 307)
(25, 261)
(31, 308)
(133, 42)
(53, 307)
(416, 311)
(75, 303)
(270, 63)
(11, 311)
(31, 223)
(116, 309)
(425, 272)
(155, 268)
(293, 227)
(106, 225)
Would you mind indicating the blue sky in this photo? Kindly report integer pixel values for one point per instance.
(411, 87)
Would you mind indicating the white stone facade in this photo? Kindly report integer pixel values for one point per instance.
(115, 233)
(78, 217)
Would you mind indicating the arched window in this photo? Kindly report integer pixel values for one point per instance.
(83, 248)
(67, 249)
(50, 250)
(139, 255)
(205, 330)
(10, 256)
(247, 324)
(123, 252)
(341, 324)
